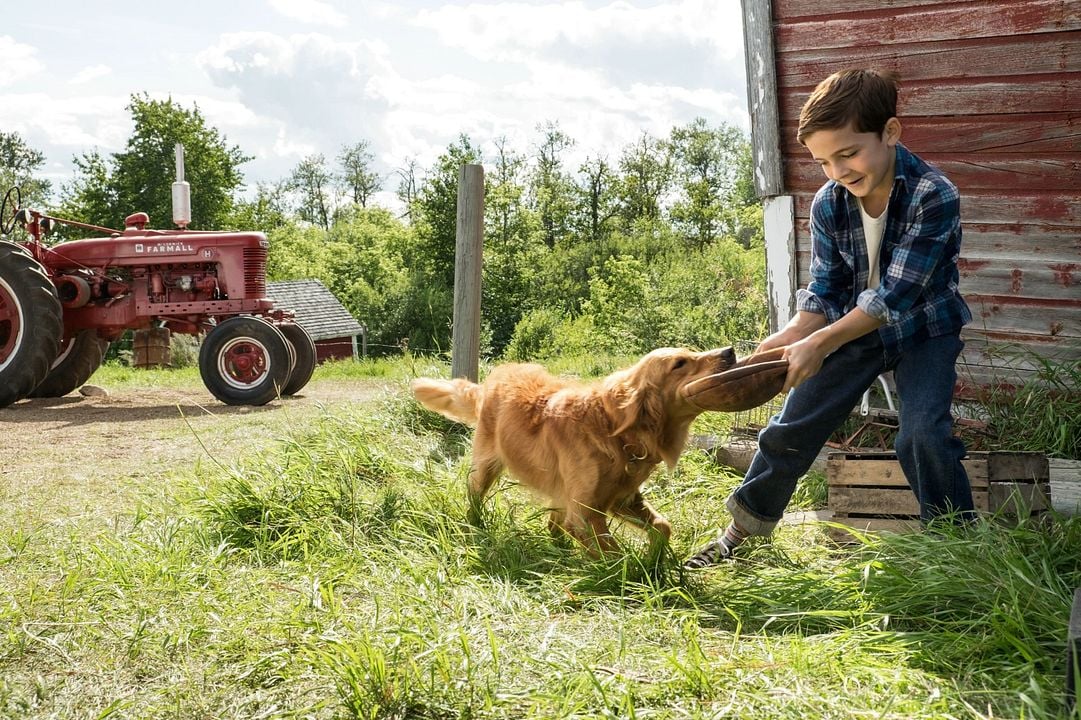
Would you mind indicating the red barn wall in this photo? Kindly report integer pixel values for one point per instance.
(991, 94)
(334, 349)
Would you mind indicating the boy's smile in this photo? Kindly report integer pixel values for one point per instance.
(862, 162)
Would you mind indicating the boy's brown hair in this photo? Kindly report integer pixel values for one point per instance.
(865, 98)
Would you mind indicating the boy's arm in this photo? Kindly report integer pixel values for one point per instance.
(930, 232)
(805, 355)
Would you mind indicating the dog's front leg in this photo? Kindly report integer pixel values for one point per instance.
(590, 528)
(641, 513)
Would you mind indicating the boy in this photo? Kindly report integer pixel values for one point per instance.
(886, 234)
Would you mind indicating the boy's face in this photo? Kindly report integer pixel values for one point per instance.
(862, 162)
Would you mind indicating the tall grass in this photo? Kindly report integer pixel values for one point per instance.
(1040, 415)
(335, 576)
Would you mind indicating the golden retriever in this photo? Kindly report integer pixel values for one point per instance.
(586, 448)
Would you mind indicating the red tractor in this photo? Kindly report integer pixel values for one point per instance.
(61, 306)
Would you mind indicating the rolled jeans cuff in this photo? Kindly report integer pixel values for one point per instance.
(751, 523)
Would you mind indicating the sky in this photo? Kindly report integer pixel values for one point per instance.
(285, 79)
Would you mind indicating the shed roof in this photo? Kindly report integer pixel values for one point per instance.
(315, 307)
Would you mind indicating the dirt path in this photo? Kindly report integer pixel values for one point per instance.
(66, 458)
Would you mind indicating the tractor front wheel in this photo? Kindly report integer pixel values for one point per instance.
(303, 355)
(79, 357)
(244, 361)
(30, 323)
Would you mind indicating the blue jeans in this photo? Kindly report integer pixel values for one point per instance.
(928, 453)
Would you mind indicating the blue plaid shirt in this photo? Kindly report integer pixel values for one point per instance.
(917, 297)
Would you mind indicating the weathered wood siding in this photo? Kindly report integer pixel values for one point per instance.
(991, 94)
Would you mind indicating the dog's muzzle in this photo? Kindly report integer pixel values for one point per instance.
(751, 382)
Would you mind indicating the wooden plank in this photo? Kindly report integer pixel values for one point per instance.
(1021, 278)
(1055, 247)
(801, 70)
(1065, 481)
(883, 473)
(881, 468)
(872, 501)
(996, 205)
(1002, 205)
(863, 473)
(1051, 244)
(1016, 499)
(1022, 281)
(762, 96)
(986, 172)
(1018, 467)
(846, 501)
(886, 26)
(999, 134)
(790, 9)
(959, 96)
(877, 525)
(1036, 318)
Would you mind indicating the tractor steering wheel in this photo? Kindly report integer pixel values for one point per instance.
(8, 224)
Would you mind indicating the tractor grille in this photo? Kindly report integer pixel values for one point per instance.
(255, 272)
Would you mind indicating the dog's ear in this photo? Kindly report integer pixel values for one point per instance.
(633, 402)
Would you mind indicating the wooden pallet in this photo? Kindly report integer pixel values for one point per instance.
(868, 490)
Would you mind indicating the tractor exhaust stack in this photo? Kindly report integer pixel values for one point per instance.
(181, 193)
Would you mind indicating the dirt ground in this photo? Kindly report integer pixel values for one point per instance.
(71, 457)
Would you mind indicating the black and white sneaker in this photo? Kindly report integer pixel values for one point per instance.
(714, 553)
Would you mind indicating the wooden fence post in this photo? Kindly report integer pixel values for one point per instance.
(469, 243)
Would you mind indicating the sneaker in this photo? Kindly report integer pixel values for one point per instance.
(714, 553)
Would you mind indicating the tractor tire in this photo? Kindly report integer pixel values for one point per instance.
(79, 357)
(244, 361)
(303, 353)
(31, 323)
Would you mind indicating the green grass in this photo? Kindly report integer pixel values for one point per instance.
(335, 576)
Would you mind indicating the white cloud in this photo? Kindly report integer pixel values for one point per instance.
(575, 33)
(319, 93)
(313, 12)
(90, 73)
(83, 123)
(18, 61)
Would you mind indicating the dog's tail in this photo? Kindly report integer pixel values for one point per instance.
(456, 399)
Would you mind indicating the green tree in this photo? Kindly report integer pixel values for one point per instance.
(552, 186)
(707, 165)
(140, 178)
(646, 173)
(19, 164)
(368, 273)
(597, 201)
(311, 182)
(407, 187)
(358, 179)
(266, 211)
(427, 310)
(512, 249)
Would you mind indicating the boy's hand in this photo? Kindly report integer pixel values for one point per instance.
(806, 354)
(798, 328)
(804, 361)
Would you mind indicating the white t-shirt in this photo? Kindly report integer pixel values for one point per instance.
(873, 230)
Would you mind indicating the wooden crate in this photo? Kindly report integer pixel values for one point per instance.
(868, 490)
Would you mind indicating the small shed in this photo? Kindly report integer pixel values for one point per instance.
(991, 94)
(333, 329)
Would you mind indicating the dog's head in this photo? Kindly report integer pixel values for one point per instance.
(646, 399)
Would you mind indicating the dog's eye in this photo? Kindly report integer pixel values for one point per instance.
(679, 363)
